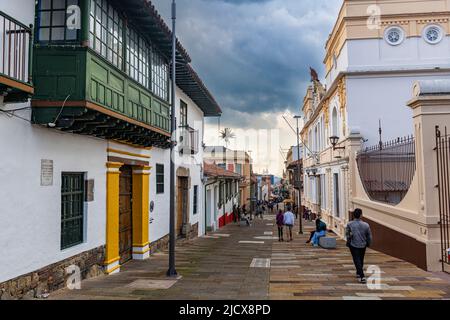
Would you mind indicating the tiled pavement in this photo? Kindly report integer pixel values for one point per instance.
(222, 266)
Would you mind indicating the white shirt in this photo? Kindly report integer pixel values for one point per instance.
(289, 218)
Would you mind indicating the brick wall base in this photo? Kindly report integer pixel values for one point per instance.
(53, 277)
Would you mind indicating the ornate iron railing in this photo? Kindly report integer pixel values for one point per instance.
(15, 49)
(443, 165)
(387, 169)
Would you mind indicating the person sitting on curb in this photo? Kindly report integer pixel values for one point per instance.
(321, 231)
(320, 225)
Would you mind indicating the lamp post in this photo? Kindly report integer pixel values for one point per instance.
(172, 272)
(300, 231)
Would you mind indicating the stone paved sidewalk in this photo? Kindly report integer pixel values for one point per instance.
(249, 264)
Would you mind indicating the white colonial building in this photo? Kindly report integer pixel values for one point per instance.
(85, 136)
(374, 55)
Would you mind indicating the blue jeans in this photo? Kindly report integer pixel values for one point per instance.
(317, 236)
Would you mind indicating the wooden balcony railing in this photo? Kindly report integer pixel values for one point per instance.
(15, 49)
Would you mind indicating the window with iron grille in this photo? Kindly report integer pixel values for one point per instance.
(106, 32)
(72, 209)
(195, 199)
(52, 21)
(159, 178)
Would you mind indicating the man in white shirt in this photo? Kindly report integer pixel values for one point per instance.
(289, 221)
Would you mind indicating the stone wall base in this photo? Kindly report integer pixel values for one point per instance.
(53, 277)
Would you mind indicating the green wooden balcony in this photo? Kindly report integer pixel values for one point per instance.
(15, 53)
(78, 91)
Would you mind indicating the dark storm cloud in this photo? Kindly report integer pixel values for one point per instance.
(254, 55)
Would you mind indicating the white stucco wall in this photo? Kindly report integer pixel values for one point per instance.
(384, 97)
(193, 162)
(30, 214)
(377, 54)
(413, 53)
(159, 218)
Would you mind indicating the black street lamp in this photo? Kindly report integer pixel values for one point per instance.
(172, 272)
(334, 141)
(300, 231)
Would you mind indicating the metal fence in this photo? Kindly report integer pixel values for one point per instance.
(387, 169)
(15, 48)
(443, 159)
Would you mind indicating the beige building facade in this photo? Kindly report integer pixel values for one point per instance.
(377, 52)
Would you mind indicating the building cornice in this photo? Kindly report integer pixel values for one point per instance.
(349, 74)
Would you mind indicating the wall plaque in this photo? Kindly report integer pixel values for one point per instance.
(46, 172)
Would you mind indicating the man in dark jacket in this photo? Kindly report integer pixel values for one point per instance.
(359, 238)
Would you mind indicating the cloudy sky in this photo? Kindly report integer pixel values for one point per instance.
(254, 56)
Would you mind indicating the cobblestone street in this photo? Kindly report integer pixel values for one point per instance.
(222, 265)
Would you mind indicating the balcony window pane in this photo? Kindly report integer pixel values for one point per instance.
(59, 4)
(71, 34)
(58, 18)
(45, 19)
(57, 34)
(46, 4)
(44, 34)
(107, 31)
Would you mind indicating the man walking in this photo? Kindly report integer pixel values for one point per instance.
(289, 221)
(359, 237)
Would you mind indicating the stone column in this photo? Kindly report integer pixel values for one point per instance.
(141, 249)
(112, 257)
(354, 144)
(431, 108)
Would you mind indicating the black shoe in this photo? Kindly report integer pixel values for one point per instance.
(363, 280)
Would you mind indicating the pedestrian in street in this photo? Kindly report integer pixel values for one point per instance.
(259, 212)
(359, 238)
(235, 213)
(280, 225)
(289, 221)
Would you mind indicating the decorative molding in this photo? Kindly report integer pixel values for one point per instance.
(342, 91)
(326, 111)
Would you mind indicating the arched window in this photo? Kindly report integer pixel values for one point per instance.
(316, 140)
(334, 123)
